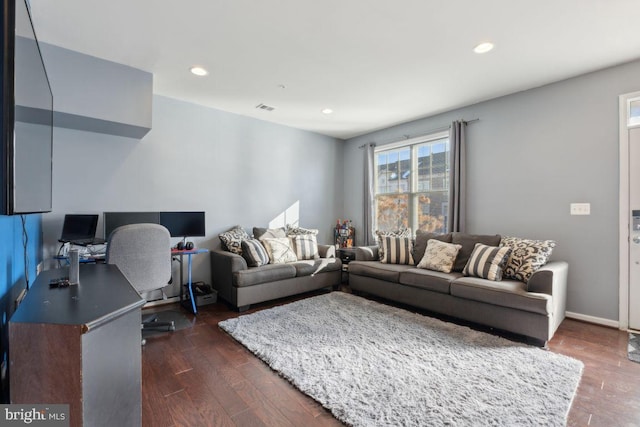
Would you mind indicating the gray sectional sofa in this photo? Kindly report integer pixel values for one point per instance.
(242, 286)
(534, 309)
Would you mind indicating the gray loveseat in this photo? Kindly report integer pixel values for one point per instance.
(242, 286)
(534, 309)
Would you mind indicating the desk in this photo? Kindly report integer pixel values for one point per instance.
(83, 260)
(80, 346)
(189, 254)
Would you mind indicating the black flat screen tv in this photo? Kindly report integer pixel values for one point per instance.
(26, 166)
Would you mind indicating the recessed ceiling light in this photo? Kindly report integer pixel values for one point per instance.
(198, 71)
(483, 47)
(327, 111)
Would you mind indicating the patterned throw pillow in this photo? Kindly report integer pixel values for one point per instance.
(397, 250)
(487, 262)
(279, 250)
(526, 257)
(293, 230)
(305, 246)
(439, 256)
(255, 254)
(403, 232)
(232, 239)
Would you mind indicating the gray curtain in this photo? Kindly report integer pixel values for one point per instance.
(457, 177)
(368, 194)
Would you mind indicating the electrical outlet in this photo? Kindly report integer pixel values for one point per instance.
(580, 208)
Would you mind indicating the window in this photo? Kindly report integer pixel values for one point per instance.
(412, 184)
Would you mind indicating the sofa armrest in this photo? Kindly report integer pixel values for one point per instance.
(549, 279)
(327, 251)
(367, 253)
(223, 265)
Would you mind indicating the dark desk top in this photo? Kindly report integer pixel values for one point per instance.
(102, 295)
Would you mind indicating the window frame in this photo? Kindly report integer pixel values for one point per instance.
(413, 193)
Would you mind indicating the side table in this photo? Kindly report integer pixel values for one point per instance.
(346, 255)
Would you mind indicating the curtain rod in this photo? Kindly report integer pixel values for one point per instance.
(440, 129)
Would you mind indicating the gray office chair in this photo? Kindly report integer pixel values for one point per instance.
(143, 253)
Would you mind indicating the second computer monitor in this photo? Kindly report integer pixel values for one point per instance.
(184, 224)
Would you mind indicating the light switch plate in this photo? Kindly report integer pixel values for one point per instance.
(580, 208)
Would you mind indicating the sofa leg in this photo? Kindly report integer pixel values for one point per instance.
(243, 308)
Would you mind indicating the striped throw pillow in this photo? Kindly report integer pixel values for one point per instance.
(381, 235)
(254, 253)
(305, 246)
(397, 250)
(487, 262)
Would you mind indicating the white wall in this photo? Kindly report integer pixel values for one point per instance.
(529, 156)
(237, 169)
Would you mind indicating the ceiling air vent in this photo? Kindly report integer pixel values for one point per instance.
(265, 107)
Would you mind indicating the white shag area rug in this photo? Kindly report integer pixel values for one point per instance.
(375, 365)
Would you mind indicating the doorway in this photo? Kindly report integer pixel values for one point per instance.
(629, 218)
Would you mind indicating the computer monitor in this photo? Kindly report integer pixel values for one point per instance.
(78, 227)
(113, 220)
(183, 224)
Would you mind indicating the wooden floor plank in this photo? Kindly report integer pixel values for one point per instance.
(202, 376)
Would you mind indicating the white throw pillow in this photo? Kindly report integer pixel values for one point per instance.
(279, 250)
(439, 256)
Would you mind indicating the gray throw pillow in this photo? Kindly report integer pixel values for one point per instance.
(468, 242)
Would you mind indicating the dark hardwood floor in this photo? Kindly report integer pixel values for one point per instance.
(200, 376)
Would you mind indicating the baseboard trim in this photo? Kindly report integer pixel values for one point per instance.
(593, 319)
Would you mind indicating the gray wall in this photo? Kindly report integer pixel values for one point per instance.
(529, 156)
(239, 170)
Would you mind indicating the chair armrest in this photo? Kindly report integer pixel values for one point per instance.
(327, 251)
(367, 253)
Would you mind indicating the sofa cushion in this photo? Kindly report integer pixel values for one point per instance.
(439, 256)
(315, 266)
(526, 257)
(255, 254)
(422, 237)
(435, 281)
(279, 250)
(487, 262)
(305, 246)
(232, 239)
(396, 250)
(378, 270)
(264, 274)
(402, 232)
(507, 293)
(468, 242)
(270, 233)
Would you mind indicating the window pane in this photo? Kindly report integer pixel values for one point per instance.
(432, 210)
(394, 171)
(392, 211)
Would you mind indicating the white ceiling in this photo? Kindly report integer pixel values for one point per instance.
(376, 63)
